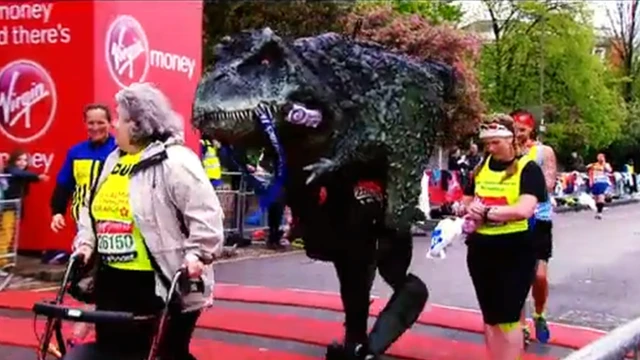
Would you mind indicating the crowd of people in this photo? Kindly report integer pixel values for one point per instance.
(597, 179)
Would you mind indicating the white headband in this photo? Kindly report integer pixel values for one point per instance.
(494, 130)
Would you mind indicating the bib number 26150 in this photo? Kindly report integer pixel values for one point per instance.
(116, 244)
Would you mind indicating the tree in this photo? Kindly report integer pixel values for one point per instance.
(287, 18)
(508, 17)
(436, 12)
(542, 59)
(625, 26)
(414, 35)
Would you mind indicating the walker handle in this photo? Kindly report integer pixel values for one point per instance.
(51, 310)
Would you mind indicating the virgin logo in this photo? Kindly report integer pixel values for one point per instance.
(127, 51)
(28, 101)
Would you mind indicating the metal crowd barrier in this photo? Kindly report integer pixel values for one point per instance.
(10, 211)
(616, 345)
(240, 204)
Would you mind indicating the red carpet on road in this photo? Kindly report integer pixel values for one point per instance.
(305, 329)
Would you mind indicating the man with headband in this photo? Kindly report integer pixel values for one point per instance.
(544, 156)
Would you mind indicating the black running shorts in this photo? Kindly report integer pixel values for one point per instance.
(502, 273)
(543, 239)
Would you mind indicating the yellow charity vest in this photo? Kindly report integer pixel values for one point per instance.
(492, 191)
(211, 162)
(120, 243)
(85, 171)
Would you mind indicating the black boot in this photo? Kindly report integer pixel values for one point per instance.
(400, 313)
(338, 351)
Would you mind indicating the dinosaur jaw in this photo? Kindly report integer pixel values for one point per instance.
(238, 127)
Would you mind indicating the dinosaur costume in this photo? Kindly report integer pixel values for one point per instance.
(350, 128)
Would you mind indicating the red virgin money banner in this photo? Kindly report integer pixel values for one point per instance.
(45, 79)
(163, 46)
(57, 56)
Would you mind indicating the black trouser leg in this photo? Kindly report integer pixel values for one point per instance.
(410, 294)
(175, 342)
(91, 351)
(395, 251)
(174, 345)
(274, 220)
(355, 277)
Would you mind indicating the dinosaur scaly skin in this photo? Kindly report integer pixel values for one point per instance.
(381, 110)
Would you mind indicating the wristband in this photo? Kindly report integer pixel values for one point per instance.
(485, 216)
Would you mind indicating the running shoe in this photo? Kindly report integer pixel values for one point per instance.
(526, 335)
(542, 329)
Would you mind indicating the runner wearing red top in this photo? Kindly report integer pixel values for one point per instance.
(545, 157)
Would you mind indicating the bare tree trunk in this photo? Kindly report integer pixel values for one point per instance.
(624, 25)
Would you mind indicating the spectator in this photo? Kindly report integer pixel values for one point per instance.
(79, 170)
(81, 165)
(20, 178)
(473, 157)
(211, 161)
(455, 157)
(576, 163)
(275, 212)
(4, 181)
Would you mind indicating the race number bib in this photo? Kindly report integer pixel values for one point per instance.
(115, 242)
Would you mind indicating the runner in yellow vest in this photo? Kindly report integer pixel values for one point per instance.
(211, 162)
(629, 169)
(501, 259)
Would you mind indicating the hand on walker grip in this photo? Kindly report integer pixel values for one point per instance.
(194, 266)
(83, 253)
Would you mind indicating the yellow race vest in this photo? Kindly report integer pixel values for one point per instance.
(493, 191)
(120, 243)
(211, 162)
(85, 171)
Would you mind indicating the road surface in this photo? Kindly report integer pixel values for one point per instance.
(593, 272)
(592, 277)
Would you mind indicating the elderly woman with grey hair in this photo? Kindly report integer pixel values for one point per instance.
(151, 212)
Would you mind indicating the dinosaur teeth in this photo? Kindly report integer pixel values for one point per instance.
(239, 115)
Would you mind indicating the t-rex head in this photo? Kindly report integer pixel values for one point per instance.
(253, 69)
